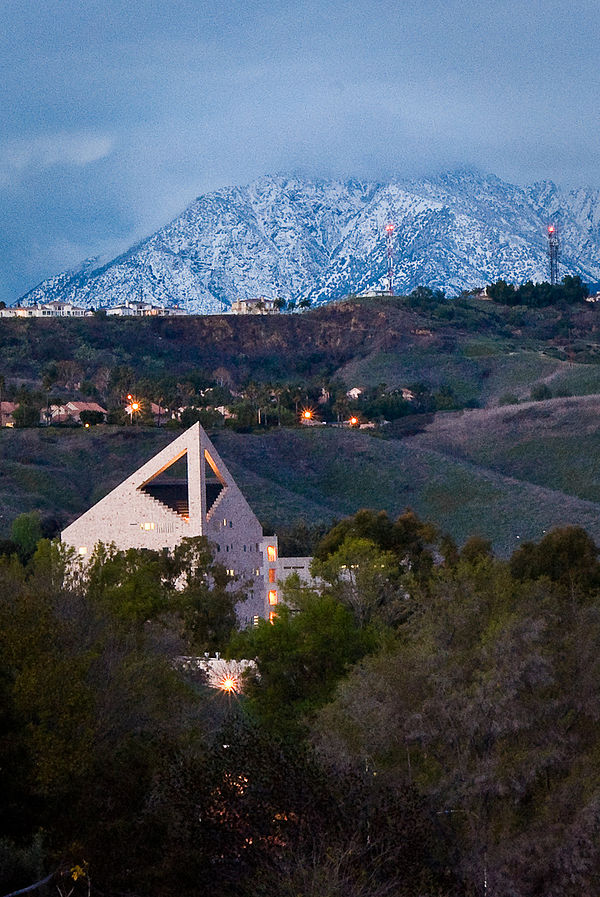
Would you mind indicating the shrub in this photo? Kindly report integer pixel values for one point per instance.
(540, 392)
(508, 398)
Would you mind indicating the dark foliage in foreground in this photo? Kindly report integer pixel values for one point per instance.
(414, 729)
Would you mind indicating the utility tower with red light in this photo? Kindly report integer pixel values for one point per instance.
(389, 230)
(553, 252)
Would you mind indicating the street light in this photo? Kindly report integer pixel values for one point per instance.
(307, 415)
(133, 408)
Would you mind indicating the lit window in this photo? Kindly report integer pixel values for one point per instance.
(272, 616)
(255, 620)
(147, 526)
(272, 553)
(257, 572)
(231, 571)
(272, 596)
(82, 549)
(272, 574)
(224, 521)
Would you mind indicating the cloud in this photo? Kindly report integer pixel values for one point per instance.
(19, 156)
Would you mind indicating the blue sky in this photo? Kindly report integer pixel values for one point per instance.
(116, 114)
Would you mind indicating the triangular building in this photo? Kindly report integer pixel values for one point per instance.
(186, 490)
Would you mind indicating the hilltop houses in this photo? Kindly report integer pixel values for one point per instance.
(186, 490)
(57, 309)
(131, 309)
(255, 306)
(53, 309)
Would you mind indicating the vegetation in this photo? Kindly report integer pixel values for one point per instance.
(421, 722)
(413, 726)
(539, 295)
(449, 353)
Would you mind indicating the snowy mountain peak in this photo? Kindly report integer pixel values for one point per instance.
(322, 239)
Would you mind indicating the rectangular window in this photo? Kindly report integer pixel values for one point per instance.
(272, 616)
(271, 553)
(272, 596)
(147, 525)
(272, 574)
(82, 549)
(224, 522)
(255, 620)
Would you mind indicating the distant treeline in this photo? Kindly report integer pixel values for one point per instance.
(539, 295)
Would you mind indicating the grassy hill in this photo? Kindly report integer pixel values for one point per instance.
(507, 472)
(508, 482)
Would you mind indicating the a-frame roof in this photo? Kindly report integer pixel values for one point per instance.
(142, 501)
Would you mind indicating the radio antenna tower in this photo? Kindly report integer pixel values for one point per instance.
(553, 252)
(389, 229)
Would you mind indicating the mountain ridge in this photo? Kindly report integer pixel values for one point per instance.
(323, 239)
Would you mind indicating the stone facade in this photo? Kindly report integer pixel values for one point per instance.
(149, 510)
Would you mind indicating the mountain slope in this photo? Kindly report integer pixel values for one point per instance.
(297, 238)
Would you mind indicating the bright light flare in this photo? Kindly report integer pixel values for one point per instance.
(229, 683)
(389, 228)
(551, 228)
(353, 421)
(226, 675)
(307, 414)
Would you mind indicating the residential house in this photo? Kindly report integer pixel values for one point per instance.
(132, 309)
(54, 309)
(355, 393)
(71, 411)
(6, 414)
(255, 306)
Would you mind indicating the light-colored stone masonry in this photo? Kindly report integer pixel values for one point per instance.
(131, 517)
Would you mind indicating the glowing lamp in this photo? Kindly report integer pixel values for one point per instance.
(229, 683)
(389, 228)
(135, 406)
(353, 421)
(551, 229)
(307, 414)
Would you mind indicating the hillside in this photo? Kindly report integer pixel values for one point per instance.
(502, 470)
(465, 484)
(477, 348)
(299, 238)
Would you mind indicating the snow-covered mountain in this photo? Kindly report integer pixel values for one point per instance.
(323, 239)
